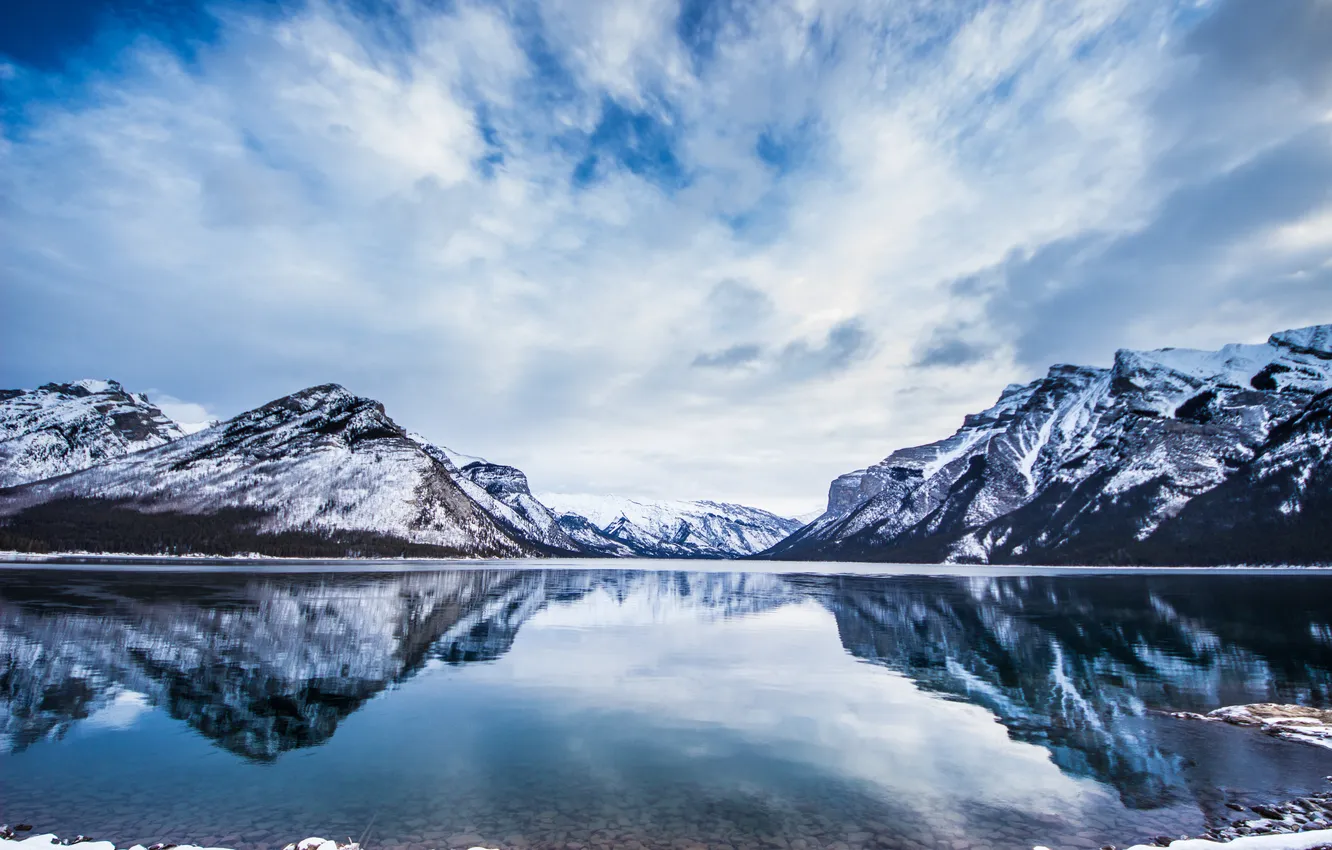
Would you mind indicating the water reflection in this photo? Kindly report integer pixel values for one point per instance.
(266, 664)
(1071, 663)
(262, 665)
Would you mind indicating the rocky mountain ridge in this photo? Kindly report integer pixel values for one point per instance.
(1171, 456)
(321, 471)
(624, 527)
(504, 492)
(61, 428)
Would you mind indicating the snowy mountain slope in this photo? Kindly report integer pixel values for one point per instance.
(61, 428)
(321, 465)
(1277, 508)
(590, 538)
(504, 493)
(1087, 464)
(667, 529)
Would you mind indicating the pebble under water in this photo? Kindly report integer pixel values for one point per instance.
(587, 708)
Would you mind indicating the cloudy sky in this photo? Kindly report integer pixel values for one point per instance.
(710, 248)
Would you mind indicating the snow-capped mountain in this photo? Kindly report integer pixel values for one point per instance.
(321, 471)
(1168, 456)
(61, 428)
(504, 493)
(667, 529)
(318, 473)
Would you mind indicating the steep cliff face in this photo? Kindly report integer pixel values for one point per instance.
(321, 468)
(61, 428)
(1277, 507)
(1101, 465)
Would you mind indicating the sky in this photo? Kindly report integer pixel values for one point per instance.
(694, 249)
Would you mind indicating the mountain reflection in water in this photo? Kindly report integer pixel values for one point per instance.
(264, 664)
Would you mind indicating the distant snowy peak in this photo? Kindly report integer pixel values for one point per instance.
(62, 428)
(1097, 464)
(666, 529)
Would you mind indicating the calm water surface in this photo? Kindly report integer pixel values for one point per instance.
(585, 708)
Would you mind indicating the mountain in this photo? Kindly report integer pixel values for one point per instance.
(321, 472)
(667, 529)
(504, 493)
(1172, 456)
(88, 466)
(61, 428)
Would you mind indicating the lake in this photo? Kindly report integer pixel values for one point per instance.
(728, 706)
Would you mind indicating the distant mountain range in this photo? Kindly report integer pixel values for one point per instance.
(1172, 456)
(667, 529)
(320, 473)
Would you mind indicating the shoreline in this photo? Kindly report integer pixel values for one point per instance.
(1302, 823)
(129, 562)
(41, 841)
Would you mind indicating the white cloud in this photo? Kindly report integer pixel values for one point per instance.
(393, 205)
(121, 712)
(190, 416)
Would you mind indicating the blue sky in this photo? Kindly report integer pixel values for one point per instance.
(698, 250)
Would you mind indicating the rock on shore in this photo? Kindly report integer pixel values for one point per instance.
(1292, 722)
(1315, 840)
(46, 841)
(10, 841)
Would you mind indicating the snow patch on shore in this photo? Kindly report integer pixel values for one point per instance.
(47, 840)
(1292, 722)
(1295, 841)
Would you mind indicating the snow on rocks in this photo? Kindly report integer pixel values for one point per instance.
(1304, 823)
(322, 844)
(1169, 456)
(1292, 722)
(45, 841)
(61, 428)
(619, 526)
(320, 462)
(504, 493)
(1296, 841)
